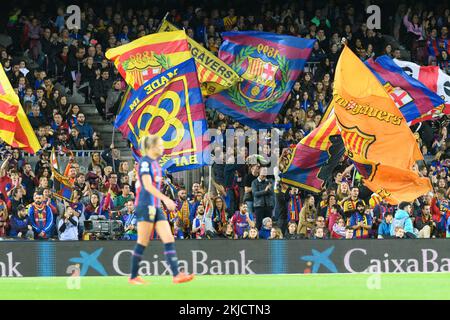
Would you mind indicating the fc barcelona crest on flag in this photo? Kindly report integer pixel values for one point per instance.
(268, 65)
(259, 80)
(356, 141)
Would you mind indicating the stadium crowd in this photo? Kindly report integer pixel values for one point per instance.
(46, 61)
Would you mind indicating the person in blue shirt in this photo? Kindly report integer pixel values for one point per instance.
(41, 217)
(149, 213)
(85, 129)
(130, 227)
(402, 220)
(19, 224)
(264, 232)
(384, 229)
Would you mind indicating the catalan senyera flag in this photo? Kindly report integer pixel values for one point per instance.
(170, 106)
(214, 74)
(148, 56)
(268, 64)
(15, 128)
(311, 164)
(375, 133)
(413, 98)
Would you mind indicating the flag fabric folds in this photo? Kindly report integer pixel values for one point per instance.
(375, 133)
(148, 56)
(414, 100)
(15, 128)
(214, 75)
(170, 106)
(434, 79)
(62, 185)
(268, 64)
(311, 164)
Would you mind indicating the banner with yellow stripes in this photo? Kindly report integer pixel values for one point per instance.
(213, 74)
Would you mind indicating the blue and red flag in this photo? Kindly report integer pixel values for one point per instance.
(268, 64)
(171, 106)
(412, 97)
(311, 164)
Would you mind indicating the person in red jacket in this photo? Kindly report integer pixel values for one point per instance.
(440, 211)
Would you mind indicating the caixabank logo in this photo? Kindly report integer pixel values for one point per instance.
(89, 261)
(380, 256)
(319, 259)
(106, 261)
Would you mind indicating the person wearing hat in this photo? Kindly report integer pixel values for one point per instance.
(266, 228)
(360, 221)
(19, 224)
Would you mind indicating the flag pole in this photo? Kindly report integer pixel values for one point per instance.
(112, 143)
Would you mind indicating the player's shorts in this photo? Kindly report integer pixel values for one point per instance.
(150, 214)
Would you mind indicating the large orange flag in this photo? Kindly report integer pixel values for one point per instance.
(15, 128)
(148, 56)
(375, 133)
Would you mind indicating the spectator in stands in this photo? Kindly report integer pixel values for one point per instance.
(242, 220)
(338, 230)
(130, 226)
(384, 229)
(41, 217)
(349, 204)
(85, 129)
(263, 197)
(186, 212)
(402, 225)
(111, 156)
(19, 224)
(68, 225)
(100, 90)
(307, 217)
(124, 197)
(291, 233)
(264, 232)
(36, 118)
(361, 221)
(424, 223)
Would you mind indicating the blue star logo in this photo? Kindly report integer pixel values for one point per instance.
(90, 261)
(321, 258)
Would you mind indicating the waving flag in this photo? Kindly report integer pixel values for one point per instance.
(15, 128)
(213, 74)
(434, 79)
(148, 56)
(375, 133)
(409, 95)
(311, 164)
(170, 106)
(268, 64)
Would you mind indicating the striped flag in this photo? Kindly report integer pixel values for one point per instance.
(214, 74)
(15, 128)
(268, 65)
(411, 97)
(311, 163)
(148, 56)
(434, 79)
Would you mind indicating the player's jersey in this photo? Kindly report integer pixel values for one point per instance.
(151, 167)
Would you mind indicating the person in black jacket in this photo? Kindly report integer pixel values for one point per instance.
(100, 91)
(263, 197)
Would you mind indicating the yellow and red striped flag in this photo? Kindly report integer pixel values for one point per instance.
(148, 56)
(214, 74)
(15, 128)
